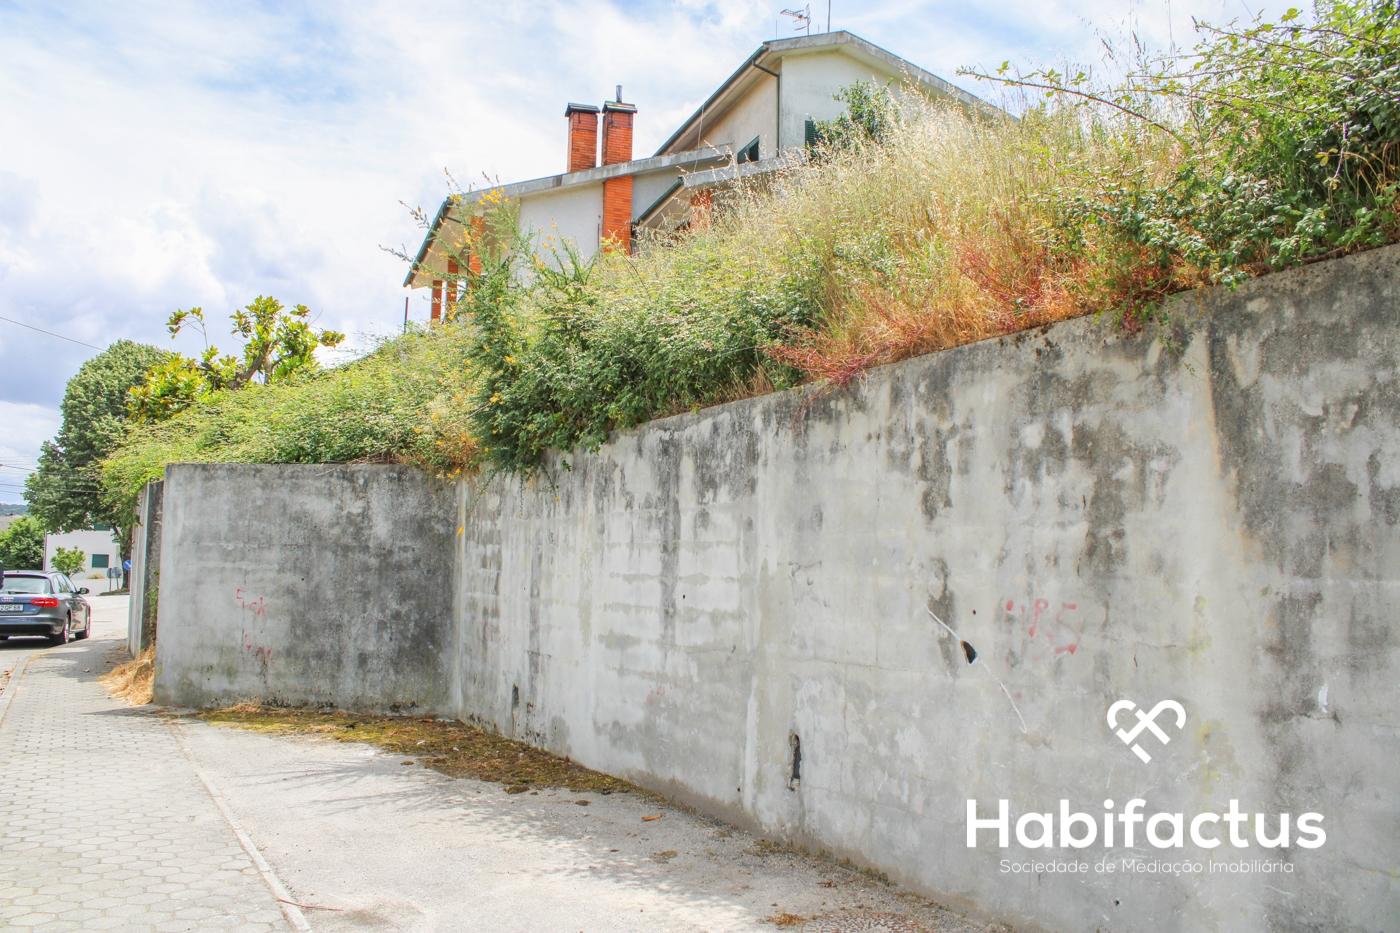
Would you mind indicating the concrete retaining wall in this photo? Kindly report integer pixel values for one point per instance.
(306, 585)
(1091, 518)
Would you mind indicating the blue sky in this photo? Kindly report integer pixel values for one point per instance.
(163, 155)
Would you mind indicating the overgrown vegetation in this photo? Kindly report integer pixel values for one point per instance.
(913, 228)
(406, 401)
(923, 227)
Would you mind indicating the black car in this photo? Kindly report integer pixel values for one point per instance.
(34, 602)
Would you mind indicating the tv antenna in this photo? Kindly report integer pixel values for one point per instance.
(801, 19)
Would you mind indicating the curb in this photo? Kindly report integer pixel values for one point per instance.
(291, 910)
(12, 687)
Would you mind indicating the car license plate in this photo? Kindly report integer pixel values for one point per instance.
(12, 608)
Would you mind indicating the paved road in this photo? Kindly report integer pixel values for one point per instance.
(114, 818)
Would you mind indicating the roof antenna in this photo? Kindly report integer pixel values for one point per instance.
(801, 19)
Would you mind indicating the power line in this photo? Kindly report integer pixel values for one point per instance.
(50, 333)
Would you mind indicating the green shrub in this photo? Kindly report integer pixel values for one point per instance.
(69, 560)
(404, 402)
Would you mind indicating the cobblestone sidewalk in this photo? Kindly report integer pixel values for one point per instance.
(104, 822)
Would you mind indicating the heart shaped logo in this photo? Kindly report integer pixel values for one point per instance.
(1145, 722)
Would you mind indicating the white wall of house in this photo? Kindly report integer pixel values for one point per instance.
(101, 545)
(754, 114)
(574, 214)
(810, 81)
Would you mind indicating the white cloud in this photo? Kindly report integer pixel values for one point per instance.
(18, 424)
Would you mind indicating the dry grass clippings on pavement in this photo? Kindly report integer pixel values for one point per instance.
(453, 748)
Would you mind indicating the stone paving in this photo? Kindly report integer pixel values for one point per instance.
(104, 822)
(113, 818)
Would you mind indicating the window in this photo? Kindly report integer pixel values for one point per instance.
(17, 584)
(749, 153)
(99, 561)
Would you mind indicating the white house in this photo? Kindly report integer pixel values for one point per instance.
(99, 546)
(753, 121)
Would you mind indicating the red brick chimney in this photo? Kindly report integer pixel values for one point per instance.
(617, 130)
(583, 136)
(617, 192)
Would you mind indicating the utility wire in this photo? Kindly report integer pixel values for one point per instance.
(49, 332)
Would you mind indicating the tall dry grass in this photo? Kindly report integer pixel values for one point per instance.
(950, 229)
(947, 232)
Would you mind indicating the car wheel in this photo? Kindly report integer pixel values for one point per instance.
(87, 630)
(62, 637)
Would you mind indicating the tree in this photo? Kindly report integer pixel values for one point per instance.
(277, 344)
(871, 115)
(69, 560)
(22, 544)
(63, 493)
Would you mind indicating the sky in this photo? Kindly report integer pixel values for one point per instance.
(165, 155)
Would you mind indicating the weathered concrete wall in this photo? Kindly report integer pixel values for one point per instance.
(306, 585)
(1098, 518)
(144, 580)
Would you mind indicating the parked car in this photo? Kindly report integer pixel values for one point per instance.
(34, 602)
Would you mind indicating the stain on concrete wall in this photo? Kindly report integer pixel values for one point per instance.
(931, 586)
(306, 585)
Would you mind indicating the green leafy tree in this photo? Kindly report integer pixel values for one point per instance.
(278, 343)
(69, 560)
(871, 115)
(22, 544)
(63, 493)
